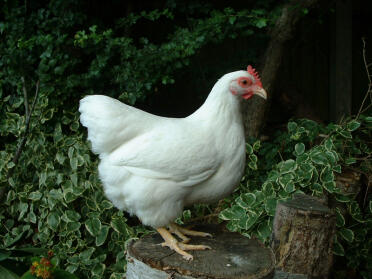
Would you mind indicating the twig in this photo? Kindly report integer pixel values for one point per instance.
(25, 97)
(28, 117)
(24, 137)
(369, 81)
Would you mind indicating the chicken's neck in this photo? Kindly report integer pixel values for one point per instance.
(220, 106)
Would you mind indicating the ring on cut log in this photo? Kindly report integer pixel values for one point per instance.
(303, 237)
(232, 256)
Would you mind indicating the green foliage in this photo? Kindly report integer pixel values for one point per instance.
(53, 198)
(307, 159)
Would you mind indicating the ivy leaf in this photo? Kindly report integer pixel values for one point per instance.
(270, 206)
(249, 149)
(35, 196)
(326, 175)
(342, 198)
(287, 166)
(86, 254)
(248, 199)
(353, 125)
(93, 225)
(318, 158)
(102, 235)
(264, 230)
(290, 187)
(232, 19)
(316, 187)
(347, 234)
(232, 226)
(331, 157)
(350, 161)
(337, 168)
(261, 22)
(248, 221)
(73, 226)
(74, 178)
(337, 248)
(340, 220)
(119, 225)
(299, 148)
(60, 158)
(253, 158)
(285, 179)
(330, 186)
(98, 270)
(252, 165)
(345, 134)
(273, 175)
(328, 144)
(355, 212)
(292, 126)
(256, 145)
(73, 163)
(53, 220)
(72, 216)
(105, 204)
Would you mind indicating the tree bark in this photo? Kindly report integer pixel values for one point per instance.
(282, 32)
(232, 256)
(303, 237)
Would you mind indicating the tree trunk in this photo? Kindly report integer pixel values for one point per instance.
(283, 31)
(303, 237)
(233, 256)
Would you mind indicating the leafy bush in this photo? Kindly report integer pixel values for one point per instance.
(309, 158)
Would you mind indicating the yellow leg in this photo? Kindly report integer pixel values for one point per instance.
(178, 247)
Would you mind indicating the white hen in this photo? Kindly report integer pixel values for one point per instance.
(153, 166)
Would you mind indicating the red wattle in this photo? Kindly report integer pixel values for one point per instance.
(247, 95)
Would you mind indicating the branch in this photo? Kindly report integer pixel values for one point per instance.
(368, 93)
(24, 137)
(25, 97)
(28, 117)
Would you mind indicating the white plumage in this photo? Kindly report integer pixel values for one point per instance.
(153, 166)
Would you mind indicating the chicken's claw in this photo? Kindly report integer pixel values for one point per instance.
(179, 247)
(182, 232)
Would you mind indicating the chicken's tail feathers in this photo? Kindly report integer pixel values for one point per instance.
(109, 122)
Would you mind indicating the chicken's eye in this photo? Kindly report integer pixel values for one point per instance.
(244, 82)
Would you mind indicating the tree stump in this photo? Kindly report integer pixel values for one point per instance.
(232, 256)
(303, 237)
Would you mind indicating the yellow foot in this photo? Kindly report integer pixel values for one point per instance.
(179, 247)
(182, 232)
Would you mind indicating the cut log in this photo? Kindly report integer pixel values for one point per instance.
(232, 256)
(303, 237)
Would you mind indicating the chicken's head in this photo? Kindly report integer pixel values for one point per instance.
(247, 84)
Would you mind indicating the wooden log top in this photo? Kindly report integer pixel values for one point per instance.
(233, 256)
(307, 203)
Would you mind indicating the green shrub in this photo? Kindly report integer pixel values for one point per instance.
(306, 159)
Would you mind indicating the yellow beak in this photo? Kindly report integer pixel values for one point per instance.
(260, 92)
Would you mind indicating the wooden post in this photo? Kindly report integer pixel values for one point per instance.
(233, 256)
(303, 237)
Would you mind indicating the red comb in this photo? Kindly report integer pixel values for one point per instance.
(252, 71)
